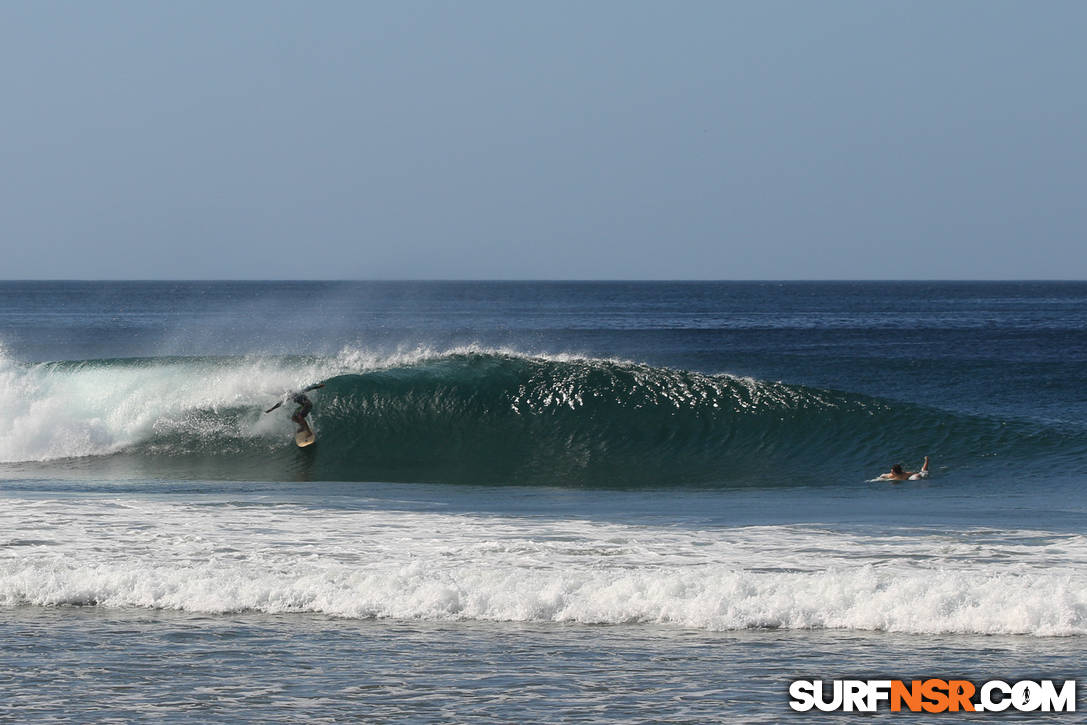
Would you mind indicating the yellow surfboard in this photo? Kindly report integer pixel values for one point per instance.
(305, 438)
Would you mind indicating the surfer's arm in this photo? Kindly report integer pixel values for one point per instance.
(274, 407)
(924, 467)
(313, 387)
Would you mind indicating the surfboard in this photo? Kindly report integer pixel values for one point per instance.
(304, 438)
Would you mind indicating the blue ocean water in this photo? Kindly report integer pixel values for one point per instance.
(530, 501)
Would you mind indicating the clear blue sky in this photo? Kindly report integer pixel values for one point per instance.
(559, 140)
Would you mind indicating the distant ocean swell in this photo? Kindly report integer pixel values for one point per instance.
(483, 416)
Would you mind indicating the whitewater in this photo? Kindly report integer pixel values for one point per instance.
(251, 556)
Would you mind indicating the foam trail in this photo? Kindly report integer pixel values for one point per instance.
(408, 565)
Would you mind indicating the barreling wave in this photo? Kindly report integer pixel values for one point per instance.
(481, 416)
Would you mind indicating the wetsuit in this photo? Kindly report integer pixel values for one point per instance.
(304, 406)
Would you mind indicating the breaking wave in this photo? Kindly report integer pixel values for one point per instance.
(474, 415)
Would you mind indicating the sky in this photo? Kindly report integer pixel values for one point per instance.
(257, 139)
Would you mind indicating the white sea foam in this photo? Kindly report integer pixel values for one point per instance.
(431, 566)
(66, 411)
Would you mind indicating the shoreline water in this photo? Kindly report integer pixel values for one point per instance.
(284, 668)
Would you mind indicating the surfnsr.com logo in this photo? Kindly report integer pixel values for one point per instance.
(933, 695)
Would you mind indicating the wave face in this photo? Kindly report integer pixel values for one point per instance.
(479, 416)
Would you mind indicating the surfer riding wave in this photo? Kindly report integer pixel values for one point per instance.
(305, 405)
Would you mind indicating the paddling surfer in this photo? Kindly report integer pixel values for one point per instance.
(898, 474)
(305, 405)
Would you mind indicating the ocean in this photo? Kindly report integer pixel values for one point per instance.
(534, 501)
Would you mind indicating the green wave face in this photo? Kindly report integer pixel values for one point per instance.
(488, 417)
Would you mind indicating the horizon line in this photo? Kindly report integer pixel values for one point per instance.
(554, 280)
